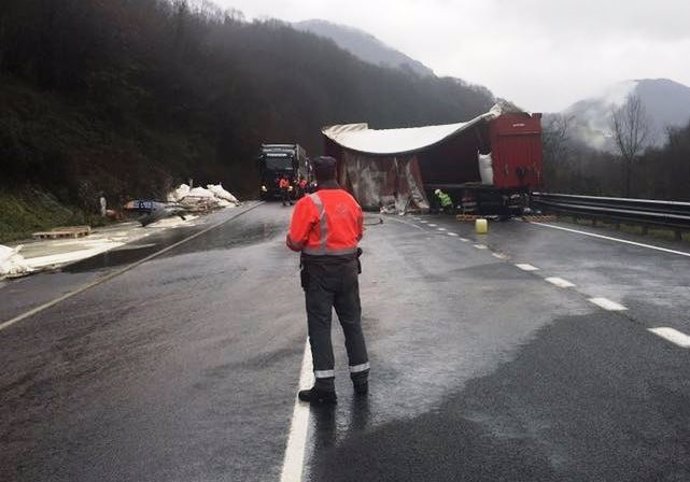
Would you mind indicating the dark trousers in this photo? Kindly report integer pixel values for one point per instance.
(285, 195)
(332, 282)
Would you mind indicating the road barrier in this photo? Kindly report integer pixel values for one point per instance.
(667, 214)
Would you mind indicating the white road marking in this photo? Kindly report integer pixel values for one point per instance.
(607, 304)
(527, 267)
(499, 255)
(117, 273)
(442, 229)
(433, 225)
(293, 463)
(423, 221)
(674, 336)
(453, 234)
(608, 238)
(480, 246)
(464, 240)
(560, 282)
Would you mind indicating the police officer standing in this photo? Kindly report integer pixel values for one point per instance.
(326, 227)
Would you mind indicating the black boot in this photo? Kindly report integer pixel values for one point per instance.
(318, 397)
(361, 388)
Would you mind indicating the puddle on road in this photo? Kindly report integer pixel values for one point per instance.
(130, 253)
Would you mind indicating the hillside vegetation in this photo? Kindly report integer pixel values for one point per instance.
(127, 98)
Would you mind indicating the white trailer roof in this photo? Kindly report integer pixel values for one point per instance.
(359, 137)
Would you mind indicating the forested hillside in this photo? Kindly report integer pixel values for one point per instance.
(127, 97)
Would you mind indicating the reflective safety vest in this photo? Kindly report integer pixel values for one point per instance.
(326, 223)
(444, 199)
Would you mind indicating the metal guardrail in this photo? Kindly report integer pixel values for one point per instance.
(669, 214)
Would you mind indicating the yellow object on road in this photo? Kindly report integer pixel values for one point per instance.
(481, 226)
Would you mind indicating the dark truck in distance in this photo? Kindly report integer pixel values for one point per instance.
(276, 160)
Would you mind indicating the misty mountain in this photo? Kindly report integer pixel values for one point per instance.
(667, 104)
(364, 46)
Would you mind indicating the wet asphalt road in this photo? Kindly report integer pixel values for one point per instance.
(185, 367)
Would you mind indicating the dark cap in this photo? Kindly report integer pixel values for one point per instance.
(324, 168)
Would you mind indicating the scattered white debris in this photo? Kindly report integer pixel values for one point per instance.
(221, 193)
(201, 199)
(12, 264)
(200, 192)
(179, 194)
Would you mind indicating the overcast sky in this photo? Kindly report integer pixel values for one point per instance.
(542, 54)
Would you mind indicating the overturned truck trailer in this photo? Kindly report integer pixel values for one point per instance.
(488, 165)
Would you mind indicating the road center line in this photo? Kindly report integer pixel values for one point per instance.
(293, 463)
(432, 225)
(480, 246)
(453, 234)
(674, 336)
(607, 304)
(114, 274)
(442, 229)
(608, 238)
(527, 267)
(560, 282)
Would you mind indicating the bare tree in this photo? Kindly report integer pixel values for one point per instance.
(555, 136)
(631, 132)
(555, 142)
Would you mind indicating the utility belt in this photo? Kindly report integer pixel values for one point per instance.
(308, 259)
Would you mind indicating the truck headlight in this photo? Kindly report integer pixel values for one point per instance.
(263, 189)
(289, 188)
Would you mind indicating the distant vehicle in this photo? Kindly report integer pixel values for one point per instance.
(276, 160)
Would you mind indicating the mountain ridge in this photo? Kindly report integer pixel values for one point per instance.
(364, 45)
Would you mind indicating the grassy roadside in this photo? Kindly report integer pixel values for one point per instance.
(29, 210)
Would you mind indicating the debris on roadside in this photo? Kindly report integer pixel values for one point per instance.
(200, 199)
(181, 201)
(12, 264)
(152, 211)
(64, 232)
(540, 218)
(221, 193)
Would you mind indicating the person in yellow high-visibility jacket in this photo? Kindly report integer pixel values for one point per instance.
(444, 201)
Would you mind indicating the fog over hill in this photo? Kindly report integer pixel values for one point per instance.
(364, 46)
(667, 104)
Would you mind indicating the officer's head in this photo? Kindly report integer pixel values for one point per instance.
(324, 169)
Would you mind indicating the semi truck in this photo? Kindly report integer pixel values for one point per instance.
(487, 165)
(278, 160)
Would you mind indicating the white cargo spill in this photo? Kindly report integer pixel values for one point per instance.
(12, 263)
